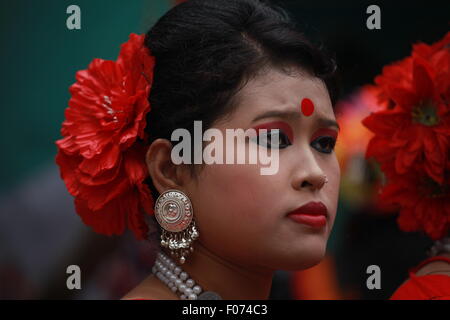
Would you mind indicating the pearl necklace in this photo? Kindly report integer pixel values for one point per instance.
(178, 280)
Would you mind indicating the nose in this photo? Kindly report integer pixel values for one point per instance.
(308, 174)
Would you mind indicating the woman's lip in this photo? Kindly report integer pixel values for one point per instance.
(311, 208)
(316, 221)
(312, 213)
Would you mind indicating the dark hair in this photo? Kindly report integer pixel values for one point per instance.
(207, 50)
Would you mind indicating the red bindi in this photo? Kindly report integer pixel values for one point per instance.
(307, 107)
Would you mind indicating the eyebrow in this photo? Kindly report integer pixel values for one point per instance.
(295, 114)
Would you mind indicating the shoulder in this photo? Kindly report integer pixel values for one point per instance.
(436, 265)
(429, 281)
(136, 294)
(150, 289)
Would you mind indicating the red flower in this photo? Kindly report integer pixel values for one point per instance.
(411, 138)
(424, 205)
(415, 125)
(101, 156)
(428, 51)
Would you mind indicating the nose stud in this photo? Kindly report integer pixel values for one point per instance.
(325, 180)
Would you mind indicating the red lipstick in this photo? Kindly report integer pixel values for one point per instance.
(313, 214)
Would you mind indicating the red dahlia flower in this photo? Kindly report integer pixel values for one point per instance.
(101, 156)
(415, 126)
(423, 204)
(411, 139)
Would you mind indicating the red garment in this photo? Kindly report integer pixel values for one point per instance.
(426, 287)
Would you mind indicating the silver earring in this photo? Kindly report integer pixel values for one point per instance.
(174, 213)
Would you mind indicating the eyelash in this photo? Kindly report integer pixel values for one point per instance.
(330, 141)
(282, 135)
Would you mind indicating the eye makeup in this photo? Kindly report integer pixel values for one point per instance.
(283, 126)
(324, 132)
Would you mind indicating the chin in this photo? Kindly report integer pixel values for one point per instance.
(305, 257)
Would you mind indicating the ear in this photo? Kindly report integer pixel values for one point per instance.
(163, 172)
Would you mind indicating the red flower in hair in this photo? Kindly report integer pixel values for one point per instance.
(415, 125)
(102, 154)
(423, 204)
(411, 139)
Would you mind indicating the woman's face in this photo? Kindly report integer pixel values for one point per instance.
(241, 214)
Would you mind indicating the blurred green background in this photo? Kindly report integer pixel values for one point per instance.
(40, 57)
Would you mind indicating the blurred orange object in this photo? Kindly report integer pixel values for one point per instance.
(317, 283)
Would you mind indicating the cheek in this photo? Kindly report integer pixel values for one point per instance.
(237, 187)
(333, 172)
(335, 177)
(234, 205)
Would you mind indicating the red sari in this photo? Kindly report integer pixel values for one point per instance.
(426, 287)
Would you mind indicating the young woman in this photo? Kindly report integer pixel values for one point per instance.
(224, 228)
(241, 64)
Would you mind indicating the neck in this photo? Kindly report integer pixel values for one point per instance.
(229, 280)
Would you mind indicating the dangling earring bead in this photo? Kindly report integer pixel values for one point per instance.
(173, 211)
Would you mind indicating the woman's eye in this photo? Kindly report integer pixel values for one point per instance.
(280, 138)
(325, 144)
